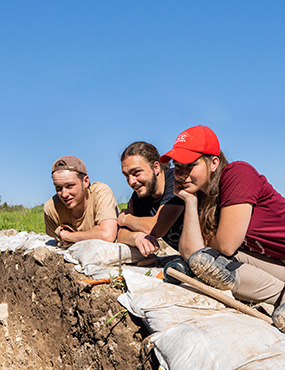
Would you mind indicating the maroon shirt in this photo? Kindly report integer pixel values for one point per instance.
(241, 183)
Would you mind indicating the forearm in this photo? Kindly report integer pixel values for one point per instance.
(146, 244)
(78, 236)
(167, 216)
(157, 225)
(143, 224)
(102, 231)
(126, 236)
(191, 238)
(224, 246)
(233, 224)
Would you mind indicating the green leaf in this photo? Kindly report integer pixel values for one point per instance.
(112, 318)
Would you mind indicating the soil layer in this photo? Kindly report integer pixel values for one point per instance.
(56, 320)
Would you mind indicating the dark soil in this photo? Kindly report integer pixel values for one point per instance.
(58, 321)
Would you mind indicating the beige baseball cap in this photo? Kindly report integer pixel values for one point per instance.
(69, 162)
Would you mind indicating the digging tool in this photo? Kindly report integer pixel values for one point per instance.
(120, 261)
(217, 295)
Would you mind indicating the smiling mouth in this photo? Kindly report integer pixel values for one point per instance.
(137, 188)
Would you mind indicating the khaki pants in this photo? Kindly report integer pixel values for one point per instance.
(262, 278)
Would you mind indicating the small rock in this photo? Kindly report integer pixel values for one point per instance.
(3, 311)
(10, 232)
(40, 254)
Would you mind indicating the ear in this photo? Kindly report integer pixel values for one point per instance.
(86, 181)
(156, 168)
(214, 164)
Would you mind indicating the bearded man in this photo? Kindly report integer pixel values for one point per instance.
(79, 210)
(153, 211)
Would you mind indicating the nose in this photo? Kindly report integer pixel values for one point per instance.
(132, 180)
(182, 173)
(64, 193)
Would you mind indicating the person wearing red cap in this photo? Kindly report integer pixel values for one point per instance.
(153, 211)
(79, 210)
(234, 224)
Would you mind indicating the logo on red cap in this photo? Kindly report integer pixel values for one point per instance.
(182, 138)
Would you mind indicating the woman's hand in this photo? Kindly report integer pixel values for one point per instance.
(180, 192)
(191, 238)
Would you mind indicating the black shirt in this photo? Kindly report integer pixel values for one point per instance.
(144, 207)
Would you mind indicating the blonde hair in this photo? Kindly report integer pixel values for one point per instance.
(209, 200)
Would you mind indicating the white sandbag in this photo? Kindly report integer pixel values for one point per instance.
(193, 331)
(96, 258)
(176, 314)
(107, 272)
(228, 341)
(13, 242)
(26, 241)
(101, 253)
(40, 240)
(145, 293)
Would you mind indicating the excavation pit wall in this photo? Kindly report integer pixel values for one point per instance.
(50, 318)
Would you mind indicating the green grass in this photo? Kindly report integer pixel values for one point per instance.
(26, 219)
(122, 205)
(22, 219)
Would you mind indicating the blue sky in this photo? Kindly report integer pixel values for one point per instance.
(89, 77)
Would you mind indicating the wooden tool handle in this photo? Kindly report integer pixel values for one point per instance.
(214, 293)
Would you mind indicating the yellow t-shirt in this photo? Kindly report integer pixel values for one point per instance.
(102, 205)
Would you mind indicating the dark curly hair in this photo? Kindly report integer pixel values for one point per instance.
(146, 150)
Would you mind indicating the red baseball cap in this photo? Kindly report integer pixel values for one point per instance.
(192, 144)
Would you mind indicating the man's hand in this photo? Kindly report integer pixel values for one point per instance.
(67, 236)
(122, 218)
(63, 234)
(146, 243)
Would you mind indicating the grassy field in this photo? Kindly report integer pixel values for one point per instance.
(22, 219)
(25, 219)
